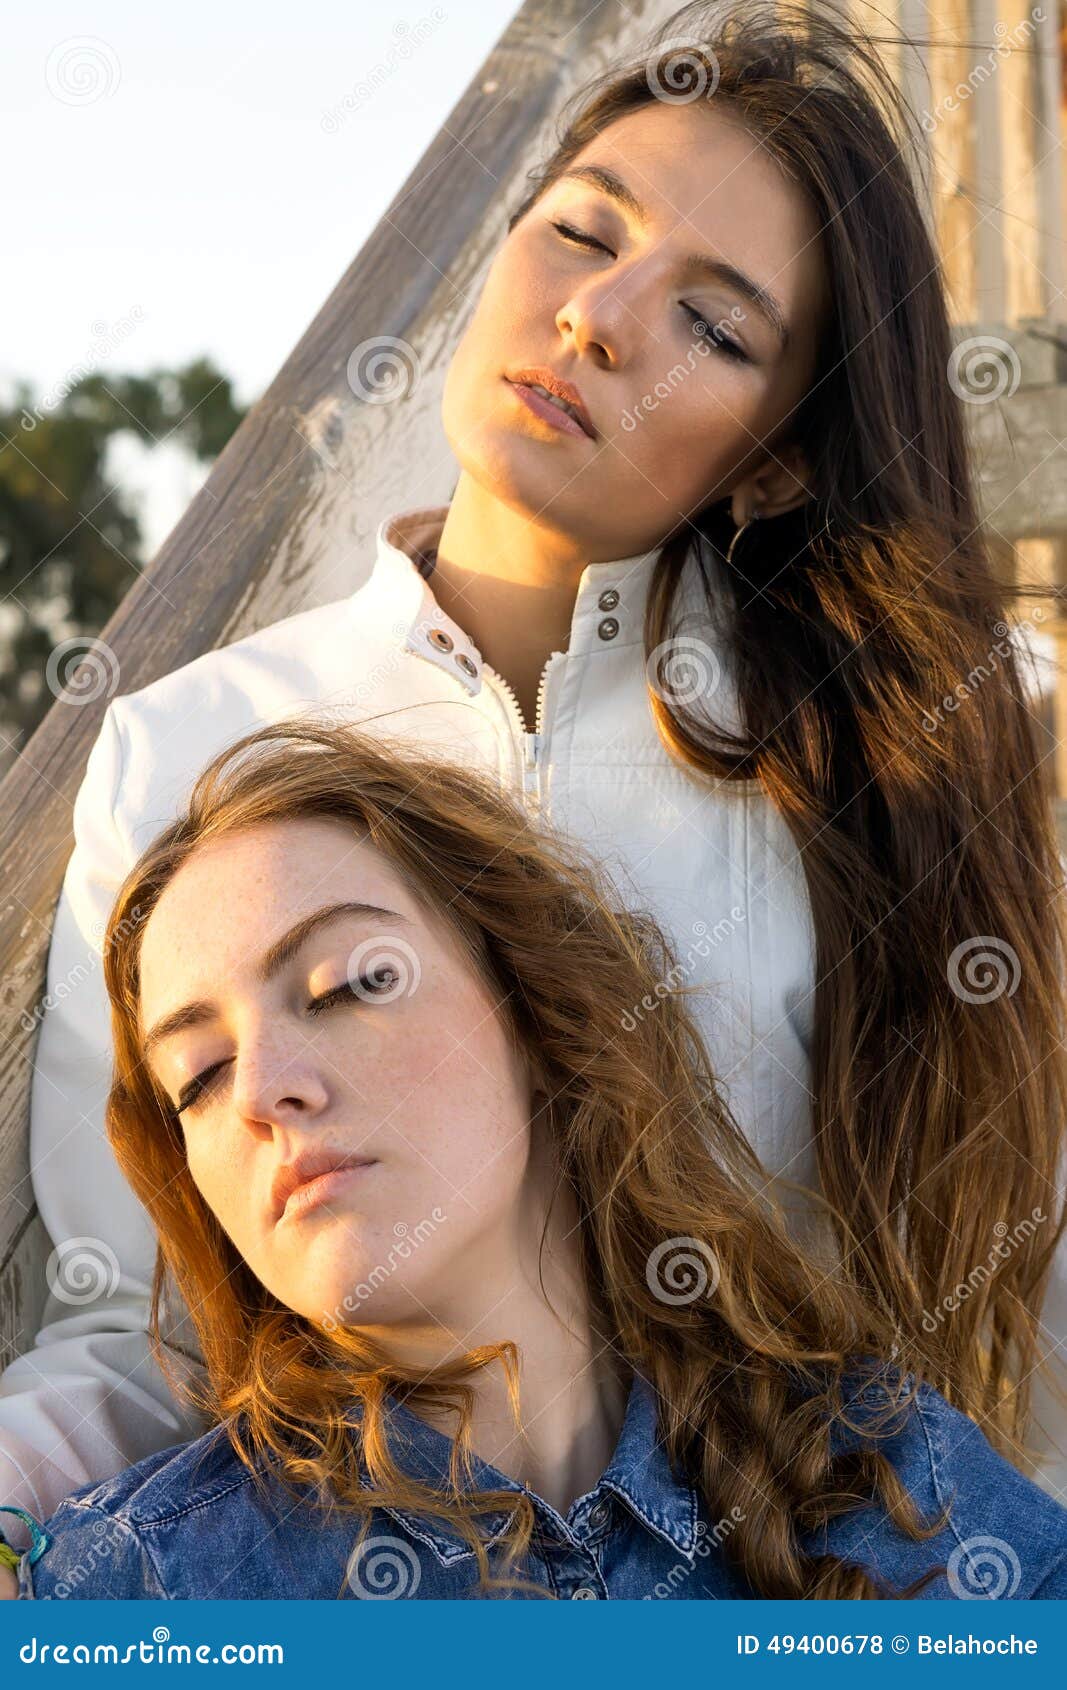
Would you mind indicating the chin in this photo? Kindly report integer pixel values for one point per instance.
(360, 1293)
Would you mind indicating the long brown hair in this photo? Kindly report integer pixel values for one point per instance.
(752, 1372)
(884, 713)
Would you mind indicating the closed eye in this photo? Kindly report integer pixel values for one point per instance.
(366, 987)
(714, 334)
(570, 233)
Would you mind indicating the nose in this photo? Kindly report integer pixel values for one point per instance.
(278, 1081)
(593, 317)
(606, 315)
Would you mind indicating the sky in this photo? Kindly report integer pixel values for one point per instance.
(196, 180)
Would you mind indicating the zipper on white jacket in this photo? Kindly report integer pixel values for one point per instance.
(531, 742)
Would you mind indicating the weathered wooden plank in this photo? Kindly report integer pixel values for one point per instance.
(23, 1289)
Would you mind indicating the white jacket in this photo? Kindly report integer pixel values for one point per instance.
(715, 863)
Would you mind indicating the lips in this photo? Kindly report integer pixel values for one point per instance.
(305, 1168)
(541, 376)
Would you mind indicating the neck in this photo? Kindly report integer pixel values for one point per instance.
(509, 583)
(573, 1384)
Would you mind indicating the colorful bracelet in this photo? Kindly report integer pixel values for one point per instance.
(39, 1540)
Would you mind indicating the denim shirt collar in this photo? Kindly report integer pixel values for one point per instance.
(639, 1474)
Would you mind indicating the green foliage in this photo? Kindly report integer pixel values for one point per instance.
(69, 545)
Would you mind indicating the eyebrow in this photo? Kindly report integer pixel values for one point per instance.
(698, 265)
(270, 963)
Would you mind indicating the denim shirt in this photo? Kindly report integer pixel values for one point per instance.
(190, 1522)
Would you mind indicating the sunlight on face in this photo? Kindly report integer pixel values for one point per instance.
(678, 415)
(408, 1068)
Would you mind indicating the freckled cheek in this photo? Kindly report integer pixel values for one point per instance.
(458, 1114)
(226, 1183)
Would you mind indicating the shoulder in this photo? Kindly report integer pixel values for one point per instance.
(1001, 1536)
(169, 1482)
(300, 657)
(342, 659)
(99, 1540)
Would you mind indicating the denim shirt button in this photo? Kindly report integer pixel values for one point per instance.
(608, 628)
(585, 1591)
(608, 599)
(599, 1515)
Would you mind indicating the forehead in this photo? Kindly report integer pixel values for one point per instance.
(707, 182)
(234, 895)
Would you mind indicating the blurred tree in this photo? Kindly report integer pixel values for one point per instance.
(69, 546)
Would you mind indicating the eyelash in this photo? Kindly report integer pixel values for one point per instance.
(201, 1085)
(723, 342)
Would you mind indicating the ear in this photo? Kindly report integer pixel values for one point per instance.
(779, 484)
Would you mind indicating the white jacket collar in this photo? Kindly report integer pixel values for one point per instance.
(405, 544)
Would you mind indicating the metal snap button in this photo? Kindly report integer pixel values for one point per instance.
(608, 599)
(608, 628)
(465, 663)
(443, 641)
(599, 1515)
(586, 1591)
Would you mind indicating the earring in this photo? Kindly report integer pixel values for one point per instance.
(749, 520)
